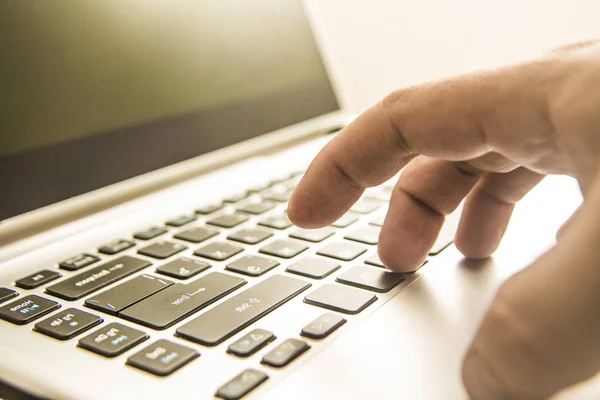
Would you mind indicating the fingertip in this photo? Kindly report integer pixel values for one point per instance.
(399, 258)
(473, 248)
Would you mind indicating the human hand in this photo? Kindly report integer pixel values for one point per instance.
(487, 138)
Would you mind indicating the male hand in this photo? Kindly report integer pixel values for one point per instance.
(487, 138)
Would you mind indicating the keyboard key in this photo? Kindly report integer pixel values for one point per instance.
(181, 220)
(162, 357)
(162, 250)
(313, 267)
(279, 193)
(79, 261)
(150, 233)
(259, 187)
(292, 182)
(284, 248)
(218, 251)
(323, 326)
(313, 235)
(368, 235)
(380, 195)
(196, 235)
(251, 343)
(234, 198)
(257, 208)
(365, 206)
(440, 244)
(96, 278)
(209, 208)
(378, 221)
(112, 340)
(340, 298)
(252, 265)
(228, 220)
(127, 293)
(233, 315)
(342, 251)
(116, 246)
(38, 279)
(285, 353)
(276, 222)
(178, 301)
(241, 385)
(377, 280)
(250, 236)
(7, 294)
(183, 268)
(374, 260)
(67, 324)
(27, 309)
(346, 220)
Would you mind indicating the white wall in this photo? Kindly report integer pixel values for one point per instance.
(379, 45)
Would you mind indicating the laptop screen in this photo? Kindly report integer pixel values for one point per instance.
(96, 92)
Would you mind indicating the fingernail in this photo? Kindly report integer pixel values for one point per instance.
(479, 380)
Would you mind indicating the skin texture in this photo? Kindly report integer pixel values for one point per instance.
(488, 138)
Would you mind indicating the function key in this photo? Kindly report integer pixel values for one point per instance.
(27, 309)
(284, 248)
(7, 294)
(368, 235)
(257, 208)
(313, 235)
(250, 236)
(162, 249)
(209, 208)
(285, 353)
(323, 326)
(38, 279)
(150, 233)
(234, 198)
(218, 251)
(181, 220)
(116, 246)
(365, 206)
(252, 265)
(196, 235)
(342, 251)
(313, 267)
(276, 222)
(67, 324)
(346, 220)
(228, 220)
(112, 340)
(79, 261)
(340, 298)
(183, 268)
(375, 279)
(162, 358)
(241, 385)
(251, 343)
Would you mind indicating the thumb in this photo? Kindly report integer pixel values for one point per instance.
(542, 332)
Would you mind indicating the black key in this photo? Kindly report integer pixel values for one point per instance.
(378, 221)
(365, 206)
(183, 268)
(313, 267)
(250, 236)
(374, 260)
(346, 220)
(323, 326)
(228, 220)
(285, 353)
(112, 340)
(150, 233)
(368, 235)
(251, 343)
(79, 261)
(276, 222)
(279, 193)
(209, 208)
(234, 198)
(377, 280)
(127, 293)
(196, 235)
(178, 301)
(7, 294)
(162, 357)
(116, 246)
(340, 298)
(233, 315)
(96, 278)
(38, 279)
(284, 248)
(342, 251)
(257, 208)
(218, 251)
(181, 220)
(313, 235)
(162, 249)
(241, 385)
(67, 324)
(252, 265)
(27, 309)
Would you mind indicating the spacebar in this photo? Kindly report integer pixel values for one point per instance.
(233, 315)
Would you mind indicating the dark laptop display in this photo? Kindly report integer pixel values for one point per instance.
(94, 92)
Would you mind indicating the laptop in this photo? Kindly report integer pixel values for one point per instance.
(148, 153)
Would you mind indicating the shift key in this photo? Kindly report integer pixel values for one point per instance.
(94, 279)
(171, 305)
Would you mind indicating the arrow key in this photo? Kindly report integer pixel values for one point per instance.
(251, 343)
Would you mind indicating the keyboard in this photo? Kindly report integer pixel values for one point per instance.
(210, 275)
